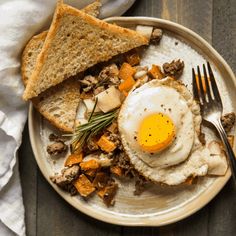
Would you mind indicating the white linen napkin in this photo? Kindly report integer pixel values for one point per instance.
(19, 21)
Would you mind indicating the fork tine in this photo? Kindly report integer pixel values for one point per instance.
(213, 84)
(206, 81)
(202, 93)
(195, 89)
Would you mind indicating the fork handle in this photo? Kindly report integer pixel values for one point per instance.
(228, 148)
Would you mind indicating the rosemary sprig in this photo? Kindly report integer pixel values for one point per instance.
(103, 82)
(96, 123)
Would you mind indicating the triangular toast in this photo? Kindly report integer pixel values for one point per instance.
(35, 45)
(75, 42)
(59, 103)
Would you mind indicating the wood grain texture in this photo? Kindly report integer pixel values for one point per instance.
(28, 174)
(197, 224)
(140, 231)
(196, 15)
(224, 30)
(48, 214)
(222, 210)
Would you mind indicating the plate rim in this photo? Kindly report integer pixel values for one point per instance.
(159, 220)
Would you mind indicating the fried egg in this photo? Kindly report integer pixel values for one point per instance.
(159, 124)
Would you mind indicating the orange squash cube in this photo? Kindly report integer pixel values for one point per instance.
(89, 165)
(105, 144)
(73, 159)
(155, 72)
(127, 84)
(126, 71)
(84, 186)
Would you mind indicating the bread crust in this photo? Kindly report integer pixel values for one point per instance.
(72, 96)
(34, 41)
(72, 84)
(92, 9)
(61, 10)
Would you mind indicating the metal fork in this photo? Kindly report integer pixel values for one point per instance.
(206, 93)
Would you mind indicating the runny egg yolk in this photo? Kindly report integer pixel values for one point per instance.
(155, 133)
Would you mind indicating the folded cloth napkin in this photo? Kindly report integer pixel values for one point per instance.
(19, 21)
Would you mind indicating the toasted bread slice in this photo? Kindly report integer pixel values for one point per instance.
(93, 9)
(75, 42)
(29, 56)
(34, 46)
(57, 104)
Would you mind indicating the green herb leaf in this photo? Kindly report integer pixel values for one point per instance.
(96, 123)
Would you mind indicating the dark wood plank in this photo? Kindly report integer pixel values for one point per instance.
(222, 212)
(150, 8)
(140, 231)
(28, 175)
(196, 15)
(197, 224)
(224, 30)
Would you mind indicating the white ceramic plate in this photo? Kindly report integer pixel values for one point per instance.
(158, 205)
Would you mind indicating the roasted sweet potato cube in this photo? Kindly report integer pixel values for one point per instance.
(84, 186)
(108, 193)
(155, 72)
(132, 58)
(105, 144)
(89, 165)
(73, 159)
(126, 71)
(127, 84)
(116, 170)
(100, 180)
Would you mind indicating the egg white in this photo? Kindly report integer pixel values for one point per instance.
(156, 98)
(198, 160)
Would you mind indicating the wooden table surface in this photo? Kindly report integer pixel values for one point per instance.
(47, 214)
